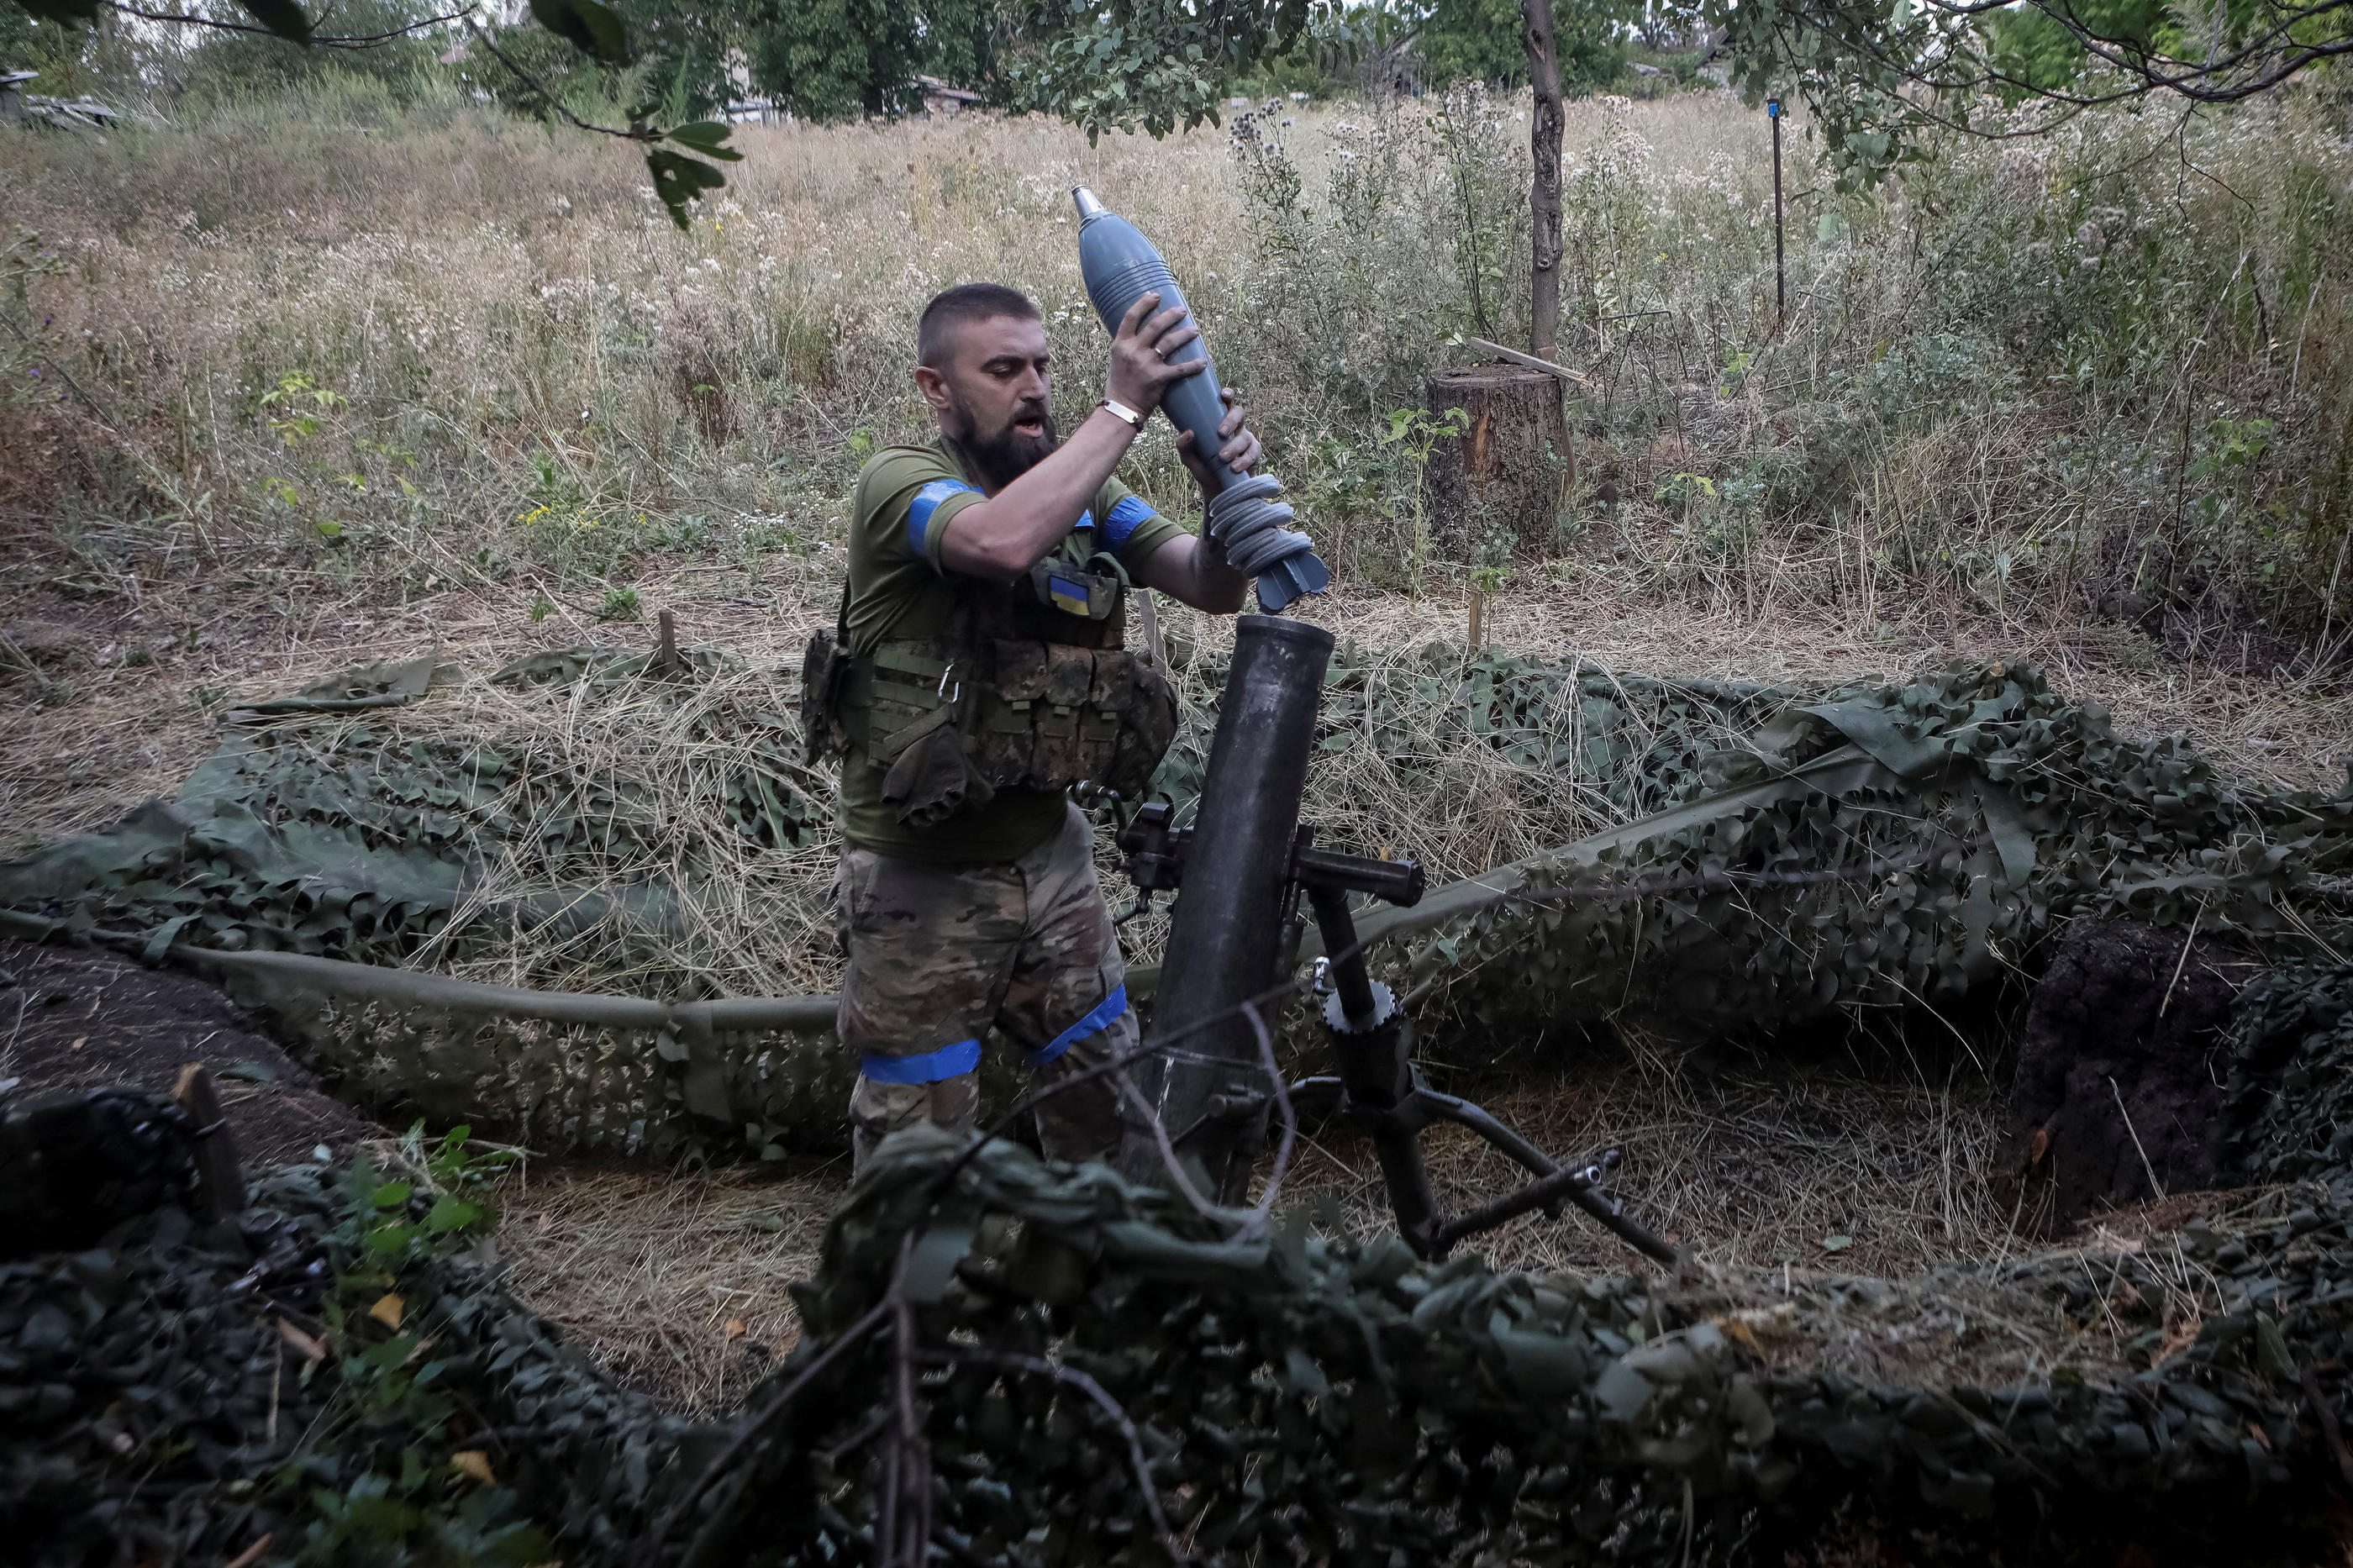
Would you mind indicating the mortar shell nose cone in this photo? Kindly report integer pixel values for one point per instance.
(1089, 207)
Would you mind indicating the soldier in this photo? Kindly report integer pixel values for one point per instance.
(977, 673)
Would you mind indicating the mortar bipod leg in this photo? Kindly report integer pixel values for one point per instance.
(1373, 1039)
(1462, 1113)
(1317, 1097)
(1553, 1183)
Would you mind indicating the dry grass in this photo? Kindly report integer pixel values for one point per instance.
(1821, 1168)
(671, 1282)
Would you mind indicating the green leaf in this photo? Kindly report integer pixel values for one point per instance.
(708, 137)
(595, 31)
(390, 1195)
(390, 1354)
(391, 1238)
(679, 179)
(451, 1212)
(282, 18)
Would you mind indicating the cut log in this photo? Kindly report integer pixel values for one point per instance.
(1504, 478)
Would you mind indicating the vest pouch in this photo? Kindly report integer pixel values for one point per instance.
(1004, 743)
(1148, 722)
(933, 781)
(825, 666)
(1063, 752)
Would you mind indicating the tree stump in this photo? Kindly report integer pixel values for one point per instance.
(1499, 485)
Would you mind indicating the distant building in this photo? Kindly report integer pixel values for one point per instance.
(19, 107)
(944, 98)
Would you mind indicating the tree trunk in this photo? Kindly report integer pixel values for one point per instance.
(1502, 482)
(1544, 189)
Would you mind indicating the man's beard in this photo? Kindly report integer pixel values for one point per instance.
(1006, 456)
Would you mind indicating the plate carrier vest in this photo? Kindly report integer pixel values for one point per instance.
(1032, 683)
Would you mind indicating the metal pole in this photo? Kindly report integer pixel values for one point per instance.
(1780, 280)
(1229, 922)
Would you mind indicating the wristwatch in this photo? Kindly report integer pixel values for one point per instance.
(1121, 411)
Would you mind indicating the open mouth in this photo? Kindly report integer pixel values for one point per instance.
(1035, 426)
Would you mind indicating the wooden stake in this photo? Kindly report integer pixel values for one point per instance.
(1516, 357)
(1478, 618)
(220, 1184)
(666, 654)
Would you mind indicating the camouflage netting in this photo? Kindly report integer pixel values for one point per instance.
(471, 828)
(1294, 1398)
(2290, 1100)
(1999, 809)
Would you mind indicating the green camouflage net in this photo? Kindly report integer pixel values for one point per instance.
(1998, 810)
(589, 822)
(2290, 1101)
(1300, 1399)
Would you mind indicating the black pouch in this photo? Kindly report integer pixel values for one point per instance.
(933, 781)
(825, 666)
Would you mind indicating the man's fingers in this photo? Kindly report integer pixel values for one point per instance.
(1152, 330)
(1177, 340)
(1233, 419)
(1144, 306)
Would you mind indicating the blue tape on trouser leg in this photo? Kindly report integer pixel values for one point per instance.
(948, 1061)
(1105, 1014)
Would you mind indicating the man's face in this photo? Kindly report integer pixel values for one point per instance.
(991, 392)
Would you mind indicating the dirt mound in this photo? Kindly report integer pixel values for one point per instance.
(2116, 1095)
(80, 1017)
(76, 1018)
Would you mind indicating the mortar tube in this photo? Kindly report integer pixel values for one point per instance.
(1229, 915)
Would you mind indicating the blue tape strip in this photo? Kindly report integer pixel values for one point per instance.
(948, 1061)
(1106, 1013)
(1123, 519)
(927, 501)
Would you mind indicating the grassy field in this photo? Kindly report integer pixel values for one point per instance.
(314, 379)
(301, 384)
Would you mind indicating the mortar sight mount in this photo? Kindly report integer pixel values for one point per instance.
(1377, 1089)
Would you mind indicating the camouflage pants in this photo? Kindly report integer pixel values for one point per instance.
(939, 954)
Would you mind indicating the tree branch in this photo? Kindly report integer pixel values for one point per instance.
(341, 41)
(633, 133)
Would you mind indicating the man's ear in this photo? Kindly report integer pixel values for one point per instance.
(933, 386)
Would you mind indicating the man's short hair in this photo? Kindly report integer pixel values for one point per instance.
(966, 302)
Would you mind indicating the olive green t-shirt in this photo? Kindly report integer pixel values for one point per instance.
(900, 588)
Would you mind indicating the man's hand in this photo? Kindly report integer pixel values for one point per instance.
(1239, 452)
(1140, 371)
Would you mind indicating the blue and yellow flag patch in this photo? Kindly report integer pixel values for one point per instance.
(1066, 595)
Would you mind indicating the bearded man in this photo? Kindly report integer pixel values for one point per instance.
(978, 672)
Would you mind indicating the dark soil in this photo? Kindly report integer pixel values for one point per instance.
(74, 1018)
(2117, 1078)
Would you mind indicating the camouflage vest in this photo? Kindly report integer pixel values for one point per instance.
(1027, 685)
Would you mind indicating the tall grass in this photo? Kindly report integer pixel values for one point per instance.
(372, 340)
